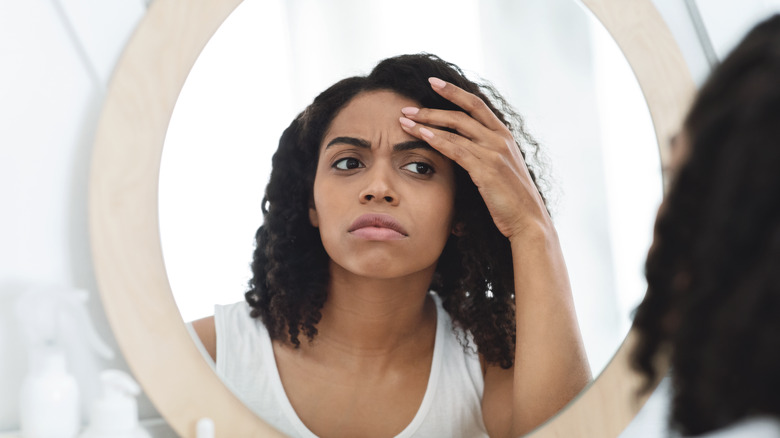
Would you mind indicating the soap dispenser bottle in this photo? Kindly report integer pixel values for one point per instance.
(115, 412)
(52, 318)
(49, 401)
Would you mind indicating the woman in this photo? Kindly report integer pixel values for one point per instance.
(713, 286)
(385, 188)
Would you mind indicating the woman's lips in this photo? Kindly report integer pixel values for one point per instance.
(377, 227)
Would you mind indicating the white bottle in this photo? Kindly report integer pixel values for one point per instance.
(115, 413)
(54, 320)
(49, 401)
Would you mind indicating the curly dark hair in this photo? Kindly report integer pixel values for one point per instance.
(474, 275)
(713, 271)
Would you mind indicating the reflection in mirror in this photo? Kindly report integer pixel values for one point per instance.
(550, 59)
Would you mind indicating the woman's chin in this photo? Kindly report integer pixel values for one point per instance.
(381, 269)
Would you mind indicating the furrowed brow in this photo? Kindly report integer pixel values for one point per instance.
(359, 142)
(413, 144)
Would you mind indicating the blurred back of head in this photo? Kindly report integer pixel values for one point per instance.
(714, 269)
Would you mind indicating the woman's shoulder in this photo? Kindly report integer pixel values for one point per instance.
(207, 333)
(225, 315)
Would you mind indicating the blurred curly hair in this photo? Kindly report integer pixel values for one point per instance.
(474, 275)
(713, 272)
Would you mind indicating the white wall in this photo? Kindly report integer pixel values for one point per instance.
(56, 58)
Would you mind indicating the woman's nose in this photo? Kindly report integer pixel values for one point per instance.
(379, 188)
(387, 198)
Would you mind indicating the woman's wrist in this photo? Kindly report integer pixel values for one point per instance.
(533, 233)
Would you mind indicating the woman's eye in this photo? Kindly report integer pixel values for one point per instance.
(348, 164)
(421, 168)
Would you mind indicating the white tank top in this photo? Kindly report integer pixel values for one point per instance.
(451, 406)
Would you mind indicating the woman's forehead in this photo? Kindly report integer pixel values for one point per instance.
(372, 104)
(370, 113)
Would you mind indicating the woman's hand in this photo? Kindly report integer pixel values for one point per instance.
(555, 367)
(486, 149)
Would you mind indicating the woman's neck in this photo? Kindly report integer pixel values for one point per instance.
(369, 317)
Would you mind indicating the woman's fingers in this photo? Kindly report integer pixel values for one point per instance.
(463, 123)
(478, 124)
(484, 147)
(452, 145)
(471, 103)
(501, 178)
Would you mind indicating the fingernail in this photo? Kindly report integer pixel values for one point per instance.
(426, 133)
(406, 122)
(436, 82)
(410, 110)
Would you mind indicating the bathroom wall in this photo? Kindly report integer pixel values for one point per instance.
(57, 57)
(56, 60)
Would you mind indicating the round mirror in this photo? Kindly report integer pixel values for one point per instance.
(565, 75)
(571, 84)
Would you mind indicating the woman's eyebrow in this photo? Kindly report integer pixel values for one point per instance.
(412, 144)
(359, 142)
(398, 147)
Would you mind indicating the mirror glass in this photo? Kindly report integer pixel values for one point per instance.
(551, 59)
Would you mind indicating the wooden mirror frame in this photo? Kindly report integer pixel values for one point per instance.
(124, 228)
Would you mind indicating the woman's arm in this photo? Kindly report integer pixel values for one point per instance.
(550, 365)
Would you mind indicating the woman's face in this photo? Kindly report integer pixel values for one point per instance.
(383, 200)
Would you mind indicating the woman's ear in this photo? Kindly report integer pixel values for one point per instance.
(315, 221)
(457, 229)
